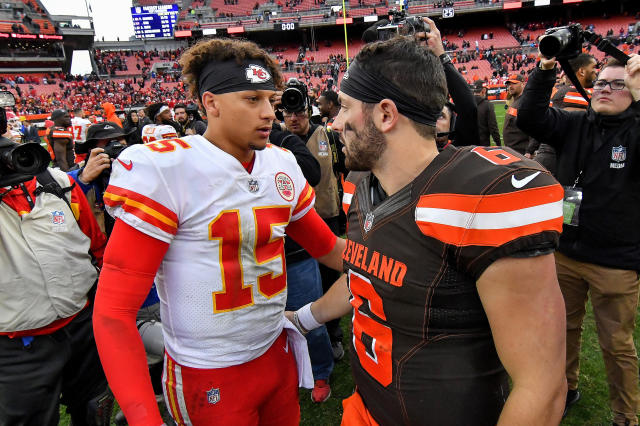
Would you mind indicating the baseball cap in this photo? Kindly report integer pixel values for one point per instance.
(515, 78)
(105, 130)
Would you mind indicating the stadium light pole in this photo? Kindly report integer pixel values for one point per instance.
(344, 23)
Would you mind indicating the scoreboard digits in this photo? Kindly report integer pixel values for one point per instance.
(286, 26)
(154, 21)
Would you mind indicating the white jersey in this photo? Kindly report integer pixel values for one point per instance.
(80, 126)
(157, 132)
(222, 282)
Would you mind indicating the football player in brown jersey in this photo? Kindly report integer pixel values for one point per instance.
(449, 261)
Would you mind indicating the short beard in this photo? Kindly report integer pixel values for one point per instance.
(367, 147)
(256, 148)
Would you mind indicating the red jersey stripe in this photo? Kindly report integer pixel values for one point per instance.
(154, 205)
(147, 215)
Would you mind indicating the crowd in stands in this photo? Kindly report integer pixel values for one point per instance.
(89, 93)
(110, 62)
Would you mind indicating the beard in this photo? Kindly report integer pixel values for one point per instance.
(366, 147)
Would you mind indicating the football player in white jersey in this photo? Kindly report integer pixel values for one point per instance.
(206, 216)
(162, 127)
(79, 126)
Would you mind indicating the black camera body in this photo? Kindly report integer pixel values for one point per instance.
(113, 148)
(562, 42)
(400, 23)
(18, 162)
(295, 97)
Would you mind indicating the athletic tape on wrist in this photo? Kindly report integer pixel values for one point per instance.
(306, 318)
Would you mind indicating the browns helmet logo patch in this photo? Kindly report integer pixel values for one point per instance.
(257, 74)
(285, 187)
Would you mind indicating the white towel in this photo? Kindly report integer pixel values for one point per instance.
(298, 343)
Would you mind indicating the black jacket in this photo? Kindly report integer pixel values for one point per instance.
(487, 124)
(466, 124)
(606, 150)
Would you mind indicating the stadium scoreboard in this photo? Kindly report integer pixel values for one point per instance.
(154, 21)
(286, 26)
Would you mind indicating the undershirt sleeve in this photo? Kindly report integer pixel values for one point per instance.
(125, 281)
(313, 234)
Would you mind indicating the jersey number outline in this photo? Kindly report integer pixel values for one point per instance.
(226, 228)
(166, 145)
(376, 359)
(78, 132)
(497, 156)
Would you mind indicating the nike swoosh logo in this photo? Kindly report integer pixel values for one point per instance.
(125, 165)
(286, 345)
(519, 183)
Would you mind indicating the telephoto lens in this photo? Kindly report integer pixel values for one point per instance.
(293, 99)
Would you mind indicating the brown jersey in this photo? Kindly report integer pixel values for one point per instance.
(424, 351)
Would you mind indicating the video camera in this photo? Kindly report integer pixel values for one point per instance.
(295, 97)
(565, 43)
(18, 163)
(400, 23)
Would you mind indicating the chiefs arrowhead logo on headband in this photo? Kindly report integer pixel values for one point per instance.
(257, 74)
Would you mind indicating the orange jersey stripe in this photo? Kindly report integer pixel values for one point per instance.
(349, 189)
(485, 237)
(496, 203)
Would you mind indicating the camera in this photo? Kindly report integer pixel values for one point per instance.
(294, 97)
(562, 42)
(18, 163)
(113, 148)
(400, 23)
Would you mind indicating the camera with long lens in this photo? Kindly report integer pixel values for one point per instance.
(562, 42)
(294, 97)
(400, 23)
(18, 162)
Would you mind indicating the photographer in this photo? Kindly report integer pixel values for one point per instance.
(189, 120)
(599, 250)
(50, 244)
(105, 141)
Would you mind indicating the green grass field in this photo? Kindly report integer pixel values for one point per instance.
(591, 410)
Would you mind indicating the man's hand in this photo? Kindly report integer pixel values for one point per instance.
(632, 76)
(97, 162)
(190, 132)
(433, 39)
(546, 64)
(277, 102)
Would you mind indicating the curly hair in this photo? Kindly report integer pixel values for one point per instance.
(194, 59)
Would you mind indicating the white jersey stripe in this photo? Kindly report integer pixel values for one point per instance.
(503, 220)
(182, 405)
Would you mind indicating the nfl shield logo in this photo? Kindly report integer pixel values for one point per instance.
(213, 396)
(619, 153)
(57, 217)
(253, 186)
(368, 222)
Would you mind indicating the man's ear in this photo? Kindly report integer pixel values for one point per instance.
(386, 115)
(211, 104)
